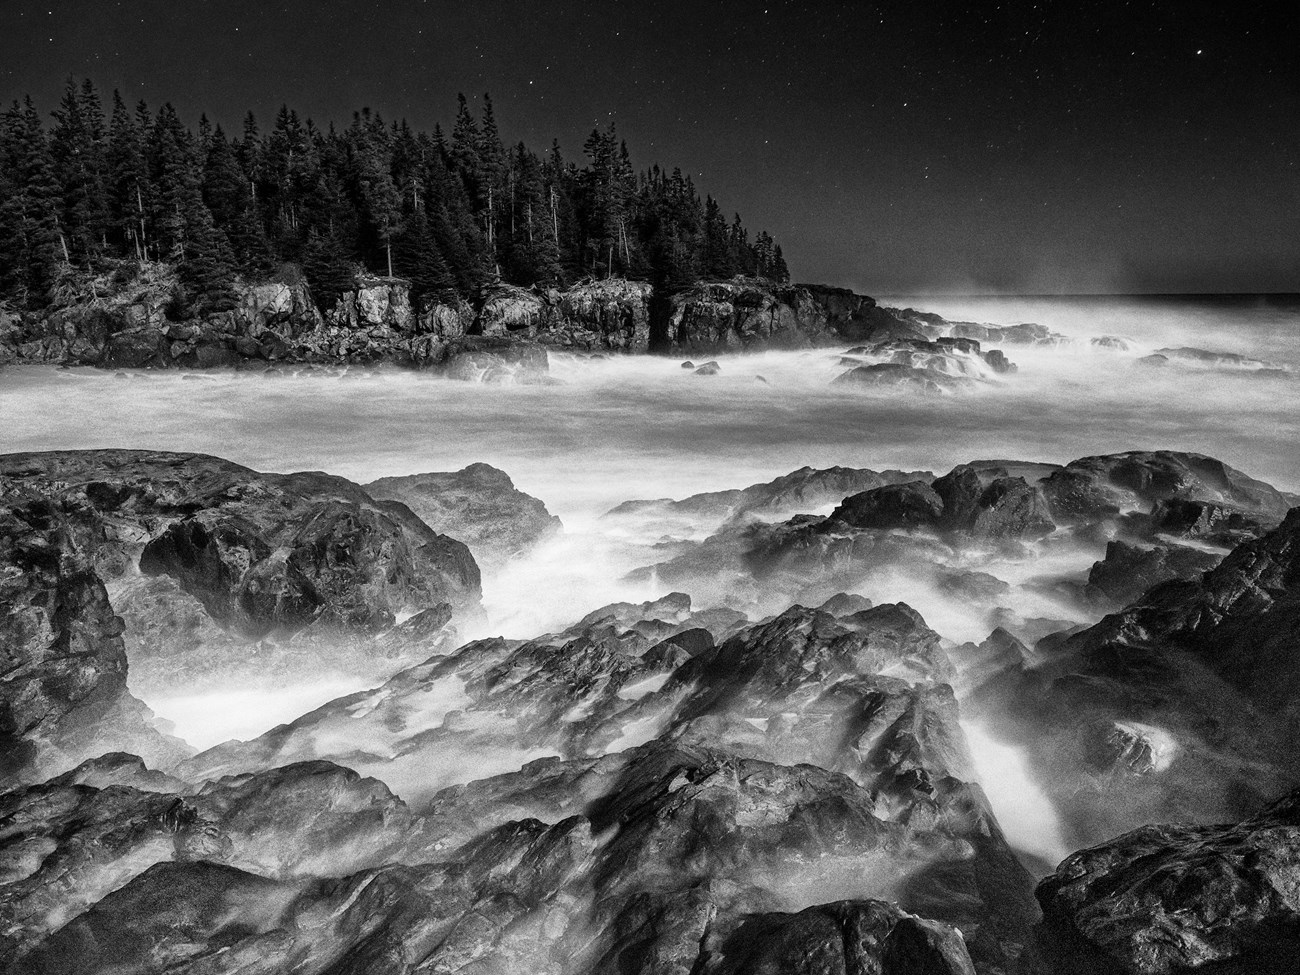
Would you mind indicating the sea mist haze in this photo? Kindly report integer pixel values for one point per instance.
(616, 428)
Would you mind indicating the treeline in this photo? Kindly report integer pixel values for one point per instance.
(449, 213)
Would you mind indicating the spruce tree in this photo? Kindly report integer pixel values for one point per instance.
(30, 243)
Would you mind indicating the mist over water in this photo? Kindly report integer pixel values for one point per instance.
(618, 428)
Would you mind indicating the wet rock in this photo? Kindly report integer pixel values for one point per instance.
(1205, 520)
(805, 489)
(264, 556)
(998, 361)
(498, 361)
(64, 696)
(1179, 898)
(899, 374)
(849, 936)
(1197, 670)
(1218, 360)
(1098, 487)
(911, 505)
(479, 506)
(1129, 570)
(708, 369)
(1111, 342)
(744, 313)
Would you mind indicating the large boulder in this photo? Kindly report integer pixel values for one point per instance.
(1178, 707)
(744, 313)
(268, 557)
(1171, 899)
(479, 505)
(63, 697)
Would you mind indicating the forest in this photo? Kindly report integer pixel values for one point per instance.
(100, 185)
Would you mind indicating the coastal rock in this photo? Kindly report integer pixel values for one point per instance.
(802, 490)
(1178, 898)
(1129, 570)
(266, 556)
(1195, 674)
(64, 696)
(613, 314)
(496, 360)
(478, 505)
(744, 313)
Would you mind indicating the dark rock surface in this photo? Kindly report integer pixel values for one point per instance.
(207, 558)
(479, 506)
(801, 490)
(131, 325)
(1181, 706)
(1178, 898)
(795, 779)
(63, 697)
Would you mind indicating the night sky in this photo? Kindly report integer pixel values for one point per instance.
(896, 148)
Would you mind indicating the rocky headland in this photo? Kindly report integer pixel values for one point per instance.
(131, 320)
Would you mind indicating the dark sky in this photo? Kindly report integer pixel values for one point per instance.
(902, 147)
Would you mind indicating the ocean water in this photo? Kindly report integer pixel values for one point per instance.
(617, 428)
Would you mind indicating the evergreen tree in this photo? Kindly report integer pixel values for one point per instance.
(380, 199)
(452, 213)
(30, 240)
(227, 193)
(186, 230)
(128, 181)
(420, 261)
(329, 267)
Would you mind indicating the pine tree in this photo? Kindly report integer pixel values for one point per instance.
(128, 181)
(228, 196)
(188, 234)
(30, 242)
(381, 201)
(420, 261)
(329, 267)
(452, 213)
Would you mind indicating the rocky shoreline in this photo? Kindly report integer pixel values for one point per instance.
(129, 321)
(679, 785)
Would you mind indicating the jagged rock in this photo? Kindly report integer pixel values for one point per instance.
(849, 936)
(900, 374)
(1111, 342)
(264, 555)
(998, 361)
(744, 313)
(1218, 360)
(65, 845)
(1170, 899)
(63, 697)
(1204, 520)
(1098, 487)
(612, 314)
(479, 505)
(1129, 570)
(989, 503)
(911, 505)
(1193, 679)
(1026, 333)
(498, 361)
(804, 489)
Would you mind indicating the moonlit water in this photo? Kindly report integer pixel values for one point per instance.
(642, 427)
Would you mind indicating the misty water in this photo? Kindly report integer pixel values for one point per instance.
(617, 428)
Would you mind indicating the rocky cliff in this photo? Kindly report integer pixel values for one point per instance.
(133, 320)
